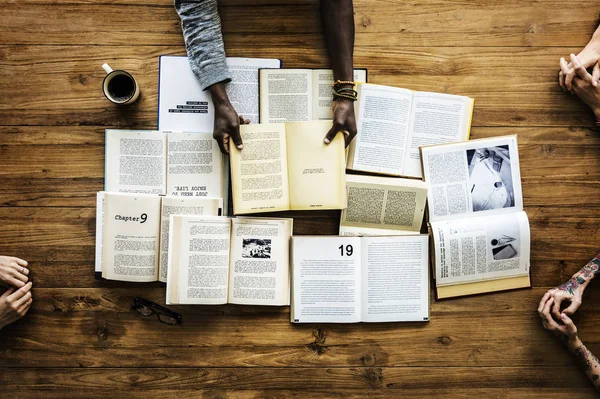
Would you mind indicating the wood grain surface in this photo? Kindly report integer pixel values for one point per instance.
(82, 340)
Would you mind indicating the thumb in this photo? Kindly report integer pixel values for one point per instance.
(237, 137)
(331, 134)
(572, 308)
(595, 74)
(568, 323)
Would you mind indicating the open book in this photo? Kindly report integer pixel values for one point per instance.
(354, 279)
(217, 260)
(287, 166)
(176, 164)
(296, 95)
(184, 107)
(393, 123)
(481, 238)
(132, 237)
(383, 206)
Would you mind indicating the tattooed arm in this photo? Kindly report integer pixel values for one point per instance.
(567, 332)
(572, 290)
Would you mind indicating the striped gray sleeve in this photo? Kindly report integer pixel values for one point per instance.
(201, 27)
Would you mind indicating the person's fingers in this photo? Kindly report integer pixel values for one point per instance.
(8, 292)
(20, 292)
(543, 302)
(20, 262)
(569, 74)
(595, 74)
(331, 134)
(16, 283)
(564, 70)
(561, 80)
(22, 270)
(552, 325)
(556, 306)
(23, 300)
(222, 140)
(236, 137)
(580, 70)
(241, 118)
(17, 274)
(247, 121)
(572, 308)
(571, 328)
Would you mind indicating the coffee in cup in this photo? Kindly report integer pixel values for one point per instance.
(119, 86)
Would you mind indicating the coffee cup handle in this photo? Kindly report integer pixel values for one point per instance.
(107, 68)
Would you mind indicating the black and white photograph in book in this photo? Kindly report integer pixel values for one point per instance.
(256, 248)
(490, 178)
(504, 241)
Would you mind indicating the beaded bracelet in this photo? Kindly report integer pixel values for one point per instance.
(343, 82)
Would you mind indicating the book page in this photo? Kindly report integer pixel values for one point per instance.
(436, 118)
(182, 206)
(312, 164)
(326, 284)
(182, 104)
(473, 178)
(395, 278)
(259, 261)
(243, 88)
(99, 232)
(322, 91)
(131, 237)
(198, 260)
(259, 179)
(135, 162)
(196, 167)
(383, 116)
(285, 95)
(383, 206)
(481, 248)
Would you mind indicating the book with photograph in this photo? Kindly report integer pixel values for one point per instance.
(297, 95)
(166, 163)
(359, 279)
(287, 166)
(480, 233)
(132, 232)
(218, 260)
(184, 107)
(379, 206)
(392, 123)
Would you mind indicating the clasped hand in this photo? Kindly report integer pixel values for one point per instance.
(15, 302)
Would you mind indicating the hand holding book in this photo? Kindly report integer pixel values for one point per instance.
(344, 120)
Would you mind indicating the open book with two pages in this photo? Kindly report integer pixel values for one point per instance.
(480, 233)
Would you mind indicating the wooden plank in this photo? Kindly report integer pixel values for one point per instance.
(378, 23)
(74, 98)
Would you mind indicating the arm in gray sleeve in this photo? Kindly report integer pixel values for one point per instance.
(201, 27)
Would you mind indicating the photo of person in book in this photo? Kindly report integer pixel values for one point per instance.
(15, 300)
(561, 302)
(201, 27)
(256, 248)
(490, 178)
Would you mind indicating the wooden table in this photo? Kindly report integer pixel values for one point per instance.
(81, 339)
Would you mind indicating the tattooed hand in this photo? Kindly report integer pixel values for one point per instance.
(566, 331)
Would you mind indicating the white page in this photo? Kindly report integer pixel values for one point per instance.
(259, 261)
(243, 88)
(182, 104)
(135, 161)
(199, 253)
(323, 94)
(285, 95)
(326, 279)
(196, 167)
(131, 237)
(473, 178)
(383, 117)
(436, 118)
(481, 248)
(99, 231)
(383, 206)
(395, 278)
(181, 206)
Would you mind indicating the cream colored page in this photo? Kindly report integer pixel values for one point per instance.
(285, 95)
(131, 237)
(196, 167)
(322, 94)
(99, 230)
(383, 116)
(381, 204)
(316, 170)
(259, 261)
(259, 176)
(436, 118)
(395, 279)
(181, 206)
(173, 255)
(203, 259)
(135, 162)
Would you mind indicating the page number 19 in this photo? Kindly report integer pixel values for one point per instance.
(349, 250)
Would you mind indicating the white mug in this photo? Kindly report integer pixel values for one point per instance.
(119, 86)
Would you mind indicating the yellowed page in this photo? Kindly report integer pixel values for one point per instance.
(383, 206)
(259, 261)
(483, 287)
(173, 261)
(259, 179)
(131, 237)
(316, 171)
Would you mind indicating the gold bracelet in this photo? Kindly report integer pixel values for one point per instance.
(343, 82)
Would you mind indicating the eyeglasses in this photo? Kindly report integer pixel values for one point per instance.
(148, 308)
